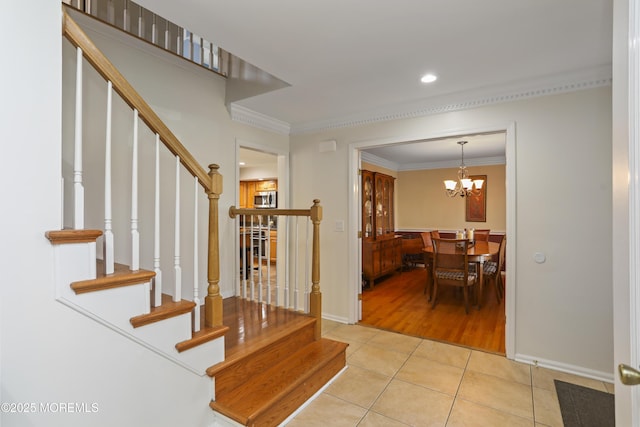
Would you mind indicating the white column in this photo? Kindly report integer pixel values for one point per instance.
(108, 252)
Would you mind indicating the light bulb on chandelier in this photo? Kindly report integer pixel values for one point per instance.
(464, 186)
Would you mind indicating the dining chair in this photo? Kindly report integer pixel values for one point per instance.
(428, 261)
(481, 235)
(451, 268)
(493, 269)
(435, 234)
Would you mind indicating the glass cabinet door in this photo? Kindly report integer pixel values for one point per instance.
(379, 206)
(367, 204)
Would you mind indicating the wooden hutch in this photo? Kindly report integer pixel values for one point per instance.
(381, 249)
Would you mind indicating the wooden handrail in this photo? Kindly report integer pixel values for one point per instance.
(109, 72)
(233, 212)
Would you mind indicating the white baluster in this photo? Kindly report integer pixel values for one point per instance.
(268, 256)
(78, 188)
(260, 256)
(126, 24)
(135, 234)
(179, 42)
(196, 297)
(167, 36)
(177, 270)
(140, 24)
(156, 243)
(287, 276)
(243, 257)
(251, 258)
(154, 30)
(108, 233)
(296, 282)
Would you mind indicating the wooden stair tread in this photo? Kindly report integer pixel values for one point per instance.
(275, 326)
(121, 276)
(204, 335)
(267, 390)
(166, 310)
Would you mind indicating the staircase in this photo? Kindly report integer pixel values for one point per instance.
(265, 361)
(273, 363)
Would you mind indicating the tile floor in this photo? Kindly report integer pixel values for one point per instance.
(397, 380)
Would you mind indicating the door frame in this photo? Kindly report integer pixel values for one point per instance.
(626, 203)
(282, 157)
(355, 246)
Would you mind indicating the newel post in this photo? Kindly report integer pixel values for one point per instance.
(213, 300)
(315, 299)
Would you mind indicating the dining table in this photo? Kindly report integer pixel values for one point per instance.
(477, 253)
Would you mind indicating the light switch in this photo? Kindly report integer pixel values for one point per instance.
(339, 225)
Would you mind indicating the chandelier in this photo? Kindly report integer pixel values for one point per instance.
(464, 186)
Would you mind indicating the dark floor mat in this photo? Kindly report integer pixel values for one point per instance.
(585, 407)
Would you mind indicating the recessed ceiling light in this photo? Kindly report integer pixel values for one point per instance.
(241, 163)
(429, 78)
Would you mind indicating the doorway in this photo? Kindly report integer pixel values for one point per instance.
(355, 161)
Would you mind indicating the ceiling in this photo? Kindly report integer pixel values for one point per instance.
(349, 62)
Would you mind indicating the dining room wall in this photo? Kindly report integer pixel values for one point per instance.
(562, 192)
(422, 204)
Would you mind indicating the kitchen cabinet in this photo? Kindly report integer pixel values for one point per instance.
(249, 188)
(381, 249)
(267, 185)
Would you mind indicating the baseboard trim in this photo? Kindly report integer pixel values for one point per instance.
(564, 367)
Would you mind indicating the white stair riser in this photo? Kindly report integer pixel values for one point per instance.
(115, 307)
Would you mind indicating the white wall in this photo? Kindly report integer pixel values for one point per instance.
(49, 353)
(563, 208)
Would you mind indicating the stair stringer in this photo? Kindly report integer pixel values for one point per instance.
(115, 307)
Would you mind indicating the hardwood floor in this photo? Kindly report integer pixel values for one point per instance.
(398, 303)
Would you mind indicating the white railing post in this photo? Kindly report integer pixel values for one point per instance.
(154, 30)
(196, 291)
(295, 265)
(307, 273)
(126, 24)
(157, 300)
(177, 270)
(140, 23)
(78, 188)
(286, 263)
(135, 234)
(108, 233)
(268, 256)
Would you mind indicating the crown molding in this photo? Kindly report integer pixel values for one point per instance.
(509, 92)
(483, 161)
(249, 117)
(379, 161)
(448, 164)
(514, 91)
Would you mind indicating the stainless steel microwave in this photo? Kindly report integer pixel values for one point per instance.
(265, 200)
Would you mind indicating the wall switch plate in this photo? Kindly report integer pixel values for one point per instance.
(339, 226)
